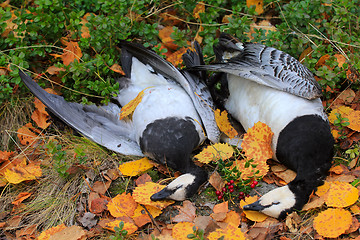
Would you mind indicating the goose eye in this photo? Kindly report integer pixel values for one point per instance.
(276, 203)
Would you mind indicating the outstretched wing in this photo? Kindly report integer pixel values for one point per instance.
(197, 90)
(99, 124)
(264, 65)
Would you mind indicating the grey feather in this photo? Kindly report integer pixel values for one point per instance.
(100, 124)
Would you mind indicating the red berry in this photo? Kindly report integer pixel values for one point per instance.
(247, 195)
(231, 181)
(255, 183)
(241, 194)
(220, 197)
(241, 197)
(228, 183)
(218, 193)
(252, 185)
(231, 187)
(231, 190)
(224, 190)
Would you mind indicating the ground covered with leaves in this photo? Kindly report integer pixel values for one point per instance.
(56, 184)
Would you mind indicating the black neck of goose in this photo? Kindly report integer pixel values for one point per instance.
(200, 175)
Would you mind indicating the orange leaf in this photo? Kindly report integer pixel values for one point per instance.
(117, 68)
(323, 189)
(341, 194)
(45, 235)
(69, 233)
(257, 142)
(260, 168)
(142, 195)
(26, 135)
(17, 174)
(136, 167)
(221, 207)
(54, 70)
(40, 116)
(176, 57)
(253, 215)
(122, 205)
(223, 123)
(21, 197)
(181, 230)
(129, 108)
(141, 217)
(214, 152)
(165, 37)
(332, 222)
(354, 120)
(233, 217)
(258, 3)
(231, 232)
(199, 8)
(340, 59)
(129, 227)
(71, 52)
(4, 155)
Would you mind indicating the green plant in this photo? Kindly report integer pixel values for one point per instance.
(59, 157)
(120, 234)
(198, 234)
(341, 123)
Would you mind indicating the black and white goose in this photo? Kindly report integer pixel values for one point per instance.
(166, 125)
(265, 84)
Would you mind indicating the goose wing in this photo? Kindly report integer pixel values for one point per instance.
(264, 65)
(100, 124)
(191, 83)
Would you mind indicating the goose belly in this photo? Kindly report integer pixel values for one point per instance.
(250, 102)
(162, 102)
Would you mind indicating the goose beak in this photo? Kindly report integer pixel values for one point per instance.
(256, 206)
(163, 194)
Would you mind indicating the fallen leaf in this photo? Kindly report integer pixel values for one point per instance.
(332, 222)
(233, 217)
(21, 197)
(144, 178)
(130, 107)
(221, 207)
(71, 53)
(54, 70)
(142, 194)
(88, 220)
(214, 152)
(340, 59)
(98, 205)
(223, 123)
(254, 170)
(354, 226)
(323, 189)
(176, 57)
(315, 202)
(27, 135)
(14, 221)
(122, 205)
(216, 181)
(4, 155)
(27, 232)
(181, 230)
(165, 37)
(343, 110)
(117, 68)
(85, 32)
(40, 115)
(354, 120)
(355, 209)
(292, 222)
(199, 8)
(186, 212)
(141, 217)
(259, 5)
(136, 167)
(306, 53)
(69, 233)
(231, 232)
(129, 227)
(101, 187)
(288, 175)
(19, 174)
(341, 194)
(45, 235)
(252, 215)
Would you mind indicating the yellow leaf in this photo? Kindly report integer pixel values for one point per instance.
(257, 142)
(341, 194)
(354, 120)
(332, 222)
(223, 123)
(122, 205)
(136, 167)
(142, 194)
(260, 168)
(259, 4)
(129, 108)
(141, 217)
(199, 8)
(176, 57)
(231, 232)
(18, 174)
(214, 152)
(45, 235)
(181, 230)
(323, 189)
(355, 209)
(233, 218)
(129, 227)
(253, 215)
(343, 110)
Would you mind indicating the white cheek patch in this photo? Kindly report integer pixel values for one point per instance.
(278, 200)
(180, 185)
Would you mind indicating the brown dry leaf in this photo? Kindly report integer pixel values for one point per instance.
(340, 59)
(341, 194)
(322, 60)
(27, 135)
(144, 178)
(181, 230)
(306, 53)
(259, 9)
(129, 108)
(85, 32)
(253, 215)
(263, 25)
(214, 152)
(101, 187)
(315, 202)
(71, 53)
(129, 227)
(165, 37)
(257, 142)
(176, 57)
(233, 217)
(231, 232)
(117, 68)
(54, 70)
(14, 221)
(354, 226)
(186, 212)
(40, 115)
(287, 175)
(136, 167)
(216, 181)
(27, 232)
(221, 207)
(122, 205)
(292, 222)
(21, 197)
(199, 8)
(223, 123)
(332, 222)
(69, 233)
(45, 235)
(98, 205)
(346, 96)
(19, 174)
(336, 169)
(354, 120)
(355, 209)
(142, 194)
